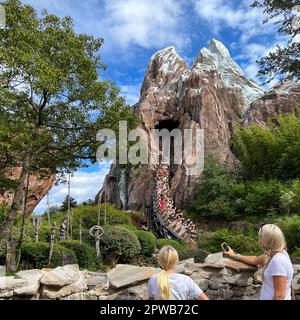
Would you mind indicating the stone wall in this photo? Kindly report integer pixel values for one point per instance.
(221, 279)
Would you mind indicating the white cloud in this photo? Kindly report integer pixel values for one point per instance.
(84, 186)
(124, 23)
(131, 93)
(147, 23)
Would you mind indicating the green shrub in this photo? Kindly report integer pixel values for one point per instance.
(167, 242)
(264, 197)
(130, 227)
(199, 255)
(35, 255)
(296, 252)
(119, 244)
(290, 226)
(244, 242)
(85, 254)
(272, 151)
(147, 241)
(89, 216)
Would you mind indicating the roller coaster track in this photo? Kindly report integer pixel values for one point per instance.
(162, 205)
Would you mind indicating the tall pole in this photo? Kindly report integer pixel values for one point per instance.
(69, 205)
(48, 210)
(105, 203)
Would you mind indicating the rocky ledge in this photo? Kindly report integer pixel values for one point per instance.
(220, 278)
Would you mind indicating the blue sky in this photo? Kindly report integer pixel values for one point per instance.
(133, 30)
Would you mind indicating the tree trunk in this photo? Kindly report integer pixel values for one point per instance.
(17, 200)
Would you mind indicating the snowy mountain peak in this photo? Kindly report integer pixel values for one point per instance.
(217, 57)
(168, 60)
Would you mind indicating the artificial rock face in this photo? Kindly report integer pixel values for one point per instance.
(213, 95)
(39, 185)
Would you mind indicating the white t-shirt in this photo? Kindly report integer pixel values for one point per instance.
(280, 265)
(182, 287)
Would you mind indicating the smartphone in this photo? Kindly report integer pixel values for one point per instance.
(225, 246)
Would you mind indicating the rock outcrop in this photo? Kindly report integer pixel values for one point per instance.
(282, 98)
(211, 95)
(214, 94)
(39, 185)
(219, 278)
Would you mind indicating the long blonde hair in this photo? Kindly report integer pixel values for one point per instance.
(167, 259)
(272, 241)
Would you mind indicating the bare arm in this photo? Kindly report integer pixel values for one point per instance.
(203, 296)
(279, 287)
(252, 260)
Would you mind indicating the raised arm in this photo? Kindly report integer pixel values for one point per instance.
(252, 260)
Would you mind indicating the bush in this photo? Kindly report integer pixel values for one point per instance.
(175, 244)
(89, 216)
(85, 254)
(35, 255)
(290, 226)
(147, 241)
(199, 255)
(130, 227)
(296, 253)
(244, 242)
(264, 197)
(272, 151)
(119, 244)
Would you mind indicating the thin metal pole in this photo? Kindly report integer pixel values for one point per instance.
(105, 203)
(48, 210)
(69, 204)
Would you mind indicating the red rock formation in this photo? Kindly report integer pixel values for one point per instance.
(283, 98)
(39, 185)
(211, 95)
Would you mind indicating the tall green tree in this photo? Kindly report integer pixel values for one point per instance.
(284, 61)
(65, 204)
(52, 99)
(270, 151)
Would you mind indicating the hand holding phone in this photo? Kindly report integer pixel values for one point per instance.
(225, 247)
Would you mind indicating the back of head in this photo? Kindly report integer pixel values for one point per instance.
(271, 237)
(167, 259)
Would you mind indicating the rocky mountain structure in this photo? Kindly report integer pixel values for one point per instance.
(282, 98)
(214, 94)
(39, 185)
(219, 278)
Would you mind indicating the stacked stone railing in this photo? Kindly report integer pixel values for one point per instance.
(221, 279)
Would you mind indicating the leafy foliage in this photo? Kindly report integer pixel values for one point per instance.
(147, 241)
(35, 255)
(84, 253)
(119, 243)
(270, 151)
(64, 206)
(284, 61)
(291, 229)
(52, 100)
(166, 242)
(244, 242)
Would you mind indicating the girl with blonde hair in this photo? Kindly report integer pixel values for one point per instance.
(169, 285)
(277, 272)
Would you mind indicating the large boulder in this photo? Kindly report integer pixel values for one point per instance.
(124, 275)
(55, 292)
(61, 276)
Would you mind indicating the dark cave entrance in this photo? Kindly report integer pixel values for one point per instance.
(169, 125)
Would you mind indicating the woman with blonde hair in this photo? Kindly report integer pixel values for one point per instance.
(277, 267)
(169, 285)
